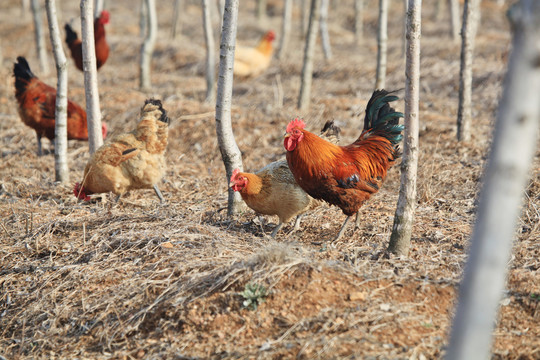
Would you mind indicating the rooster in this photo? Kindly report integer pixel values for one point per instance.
(273, 191)
(129, 161)
(249, 62)
(102, 48)
(37, 104)
(346, 176)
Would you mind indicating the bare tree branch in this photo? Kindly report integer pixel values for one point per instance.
(41, 48)
(147, 48)
(382, 44)
(210, 53)
(304, 98)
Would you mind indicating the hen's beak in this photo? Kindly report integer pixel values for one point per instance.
(286, 135)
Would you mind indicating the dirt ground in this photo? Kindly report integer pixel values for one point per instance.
(140, 280)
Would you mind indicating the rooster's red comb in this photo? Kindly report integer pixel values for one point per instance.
(296, 123)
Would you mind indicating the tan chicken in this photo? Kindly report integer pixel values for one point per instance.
(129, 161)
(249, 62)
(273, 190)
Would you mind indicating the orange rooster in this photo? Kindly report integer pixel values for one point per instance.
(37, 104)
(346, 176)
(273, 191)
(249, 61)
(102, 48)
(129, 161)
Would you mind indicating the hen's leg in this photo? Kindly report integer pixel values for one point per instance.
(158, 193)
(342, 231)
(357, 225)
(297, 223)
(276, 229)
(39, 150)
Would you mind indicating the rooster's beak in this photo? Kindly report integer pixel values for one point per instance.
(286, 135)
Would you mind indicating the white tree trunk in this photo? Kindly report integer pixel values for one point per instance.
(93, 112)
(471, 9)
(307, 69)
(143, 19)
(382, 45)
(176, 23)
(261, 9)
(230, 153)
(285, 29)
(325, 37)
(41, 48)
(147, 48)
(98, 8)
(505, 179)
(358, 20)
(25, 8)
(60, 129)
(439, 7)
(305, 17)
(210, 53)
(454, 18)
(400, 240)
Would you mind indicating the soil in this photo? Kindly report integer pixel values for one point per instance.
(141, 280)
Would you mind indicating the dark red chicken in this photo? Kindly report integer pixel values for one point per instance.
(102, 48)
(37, 103)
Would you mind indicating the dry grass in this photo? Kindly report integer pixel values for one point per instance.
(141, 280)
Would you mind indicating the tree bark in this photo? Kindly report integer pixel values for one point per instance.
(304, 23)
(285, 29)
(230, 153)
(60, 118)
(400, 240)
(325, 37)
(41, 48)
(210, 53)
(98, 8)
(439, 7)
(471, 9)
(93, 112)
(176, 23)
(454, 18)
(147, 48)
(505, 179)
(261, 9)
(143, 19)
(358, 20)
(382, 44)
(309, 51)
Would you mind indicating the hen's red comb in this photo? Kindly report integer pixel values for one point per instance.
(296, 123)
(234, 174)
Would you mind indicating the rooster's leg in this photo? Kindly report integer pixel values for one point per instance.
(158, 193)
(276, 229)
(342, 231)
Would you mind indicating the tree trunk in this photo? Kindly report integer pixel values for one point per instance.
(60, 118)
(25, 8)
(230, 153)
(505, 179)
(285, 29)
(305, 17)
(93, 112)
(309, 51)
(382, 44)
(41, 48)
(439, 9)
(210, 53)
(147, 48)
(454, 19)
(143, 19)
(400, 240)
(358, 20)
(176, 23)
(325, 37)
(261, 9)
(98, 8)
(471, 9)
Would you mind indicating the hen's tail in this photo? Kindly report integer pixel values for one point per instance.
(71, 35)
(22, 73)
(381, 118)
